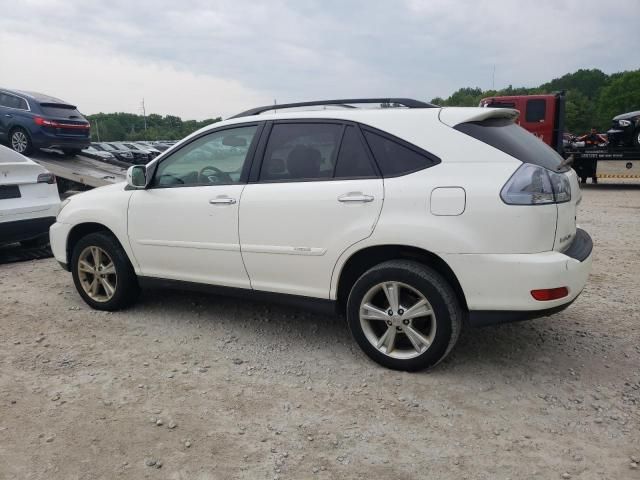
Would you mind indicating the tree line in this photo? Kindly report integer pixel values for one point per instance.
(107, 127)
(593, 97)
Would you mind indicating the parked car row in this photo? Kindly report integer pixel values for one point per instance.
(137, 153)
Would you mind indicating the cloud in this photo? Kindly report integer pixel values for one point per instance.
(232, 53)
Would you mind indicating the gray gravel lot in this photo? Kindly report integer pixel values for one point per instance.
(189, 386)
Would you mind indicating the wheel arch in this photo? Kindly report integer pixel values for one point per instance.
(82, 230)
(365, 258)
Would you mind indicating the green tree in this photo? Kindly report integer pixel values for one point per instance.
(621, 95)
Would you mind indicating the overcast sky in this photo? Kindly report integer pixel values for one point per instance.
(205, 58)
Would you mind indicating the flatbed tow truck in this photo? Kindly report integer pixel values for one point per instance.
(80, 171)
(544, 116)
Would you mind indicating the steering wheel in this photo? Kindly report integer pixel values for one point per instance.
(218, 175)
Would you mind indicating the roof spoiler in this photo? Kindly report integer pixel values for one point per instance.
(454, 116)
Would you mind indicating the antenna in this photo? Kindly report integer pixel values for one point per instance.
(144, 114)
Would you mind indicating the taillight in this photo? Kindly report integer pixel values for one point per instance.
(546, 294)
(49, 178)
(43, 122)
(534, 185)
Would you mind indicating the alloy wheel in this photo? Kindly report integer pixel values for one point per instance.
(397, 320)
(19, 141)
(97, 274)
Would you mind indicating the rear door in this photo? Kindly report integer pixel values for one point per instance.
(316, 192)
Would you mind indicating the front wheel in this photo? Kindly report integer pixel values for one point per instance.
(102, 273)
(404, 315)
(636, 138)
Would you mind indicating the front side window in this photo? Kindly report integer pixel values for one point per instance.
(301, 151)
(214, 159)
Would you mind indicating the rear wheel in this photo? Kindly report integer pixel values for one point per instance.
(20, 141)
(102, 273)
(404, 315)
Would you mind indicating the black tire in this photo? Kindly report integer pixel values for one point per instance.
(636, 138)
(436, 290)
(19, 137)
(70, 152)
(126, 286)
(40, 241)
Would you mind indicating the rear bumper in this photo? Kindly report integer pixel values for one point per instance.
(498, 287)
(44, 139)
(16, 231)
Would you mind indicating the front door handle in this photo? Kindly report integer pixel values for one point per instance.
(355, 197)
(222, 201)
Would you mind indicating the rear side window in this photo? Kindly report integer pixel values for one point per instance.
(514, 140)
(395, 157)
(12, 101)
(536, 110)
(353, 160)
(61, 111)
(301, 151)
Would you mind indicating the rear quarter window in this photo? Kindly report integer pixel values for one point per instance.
(514, 140)
(396, 157)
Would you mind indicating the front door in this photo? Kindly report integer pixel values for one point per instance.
(184, 226)
(318, 193)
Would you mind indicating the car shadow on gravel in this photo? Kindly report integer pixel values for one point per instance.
(17, 253)
(509, 347)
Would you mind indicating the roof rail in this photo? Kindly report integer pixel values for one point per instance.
(406, 102)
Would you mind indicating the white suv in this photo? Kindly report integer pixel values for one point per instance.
(413, 221)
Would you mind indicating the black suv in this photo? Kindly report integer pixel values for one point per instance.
(625, 130)
(31, 120)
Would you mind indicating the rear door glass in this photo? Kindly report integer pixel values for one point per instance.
(353, 160)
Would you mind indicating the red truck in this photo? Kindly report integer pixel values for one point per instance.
(544, 116)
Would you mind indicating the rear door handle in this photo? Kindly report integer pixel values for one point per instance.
(355, 197)
(222, 201)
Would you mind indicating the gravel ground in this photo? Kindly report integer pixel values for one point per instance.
(188, 386)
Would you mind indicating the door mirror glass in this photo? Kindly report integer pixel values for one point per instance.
(137, 176)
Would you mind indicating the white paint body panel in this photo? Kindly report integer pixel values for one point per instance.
(292, 233)
(37, 200)
(177, 233)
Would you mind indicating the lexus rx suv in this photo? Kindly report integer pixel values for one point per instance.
(411, 220)
(29, 121)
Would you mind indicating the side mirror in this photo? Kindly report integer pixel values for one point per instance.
(137, 176)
